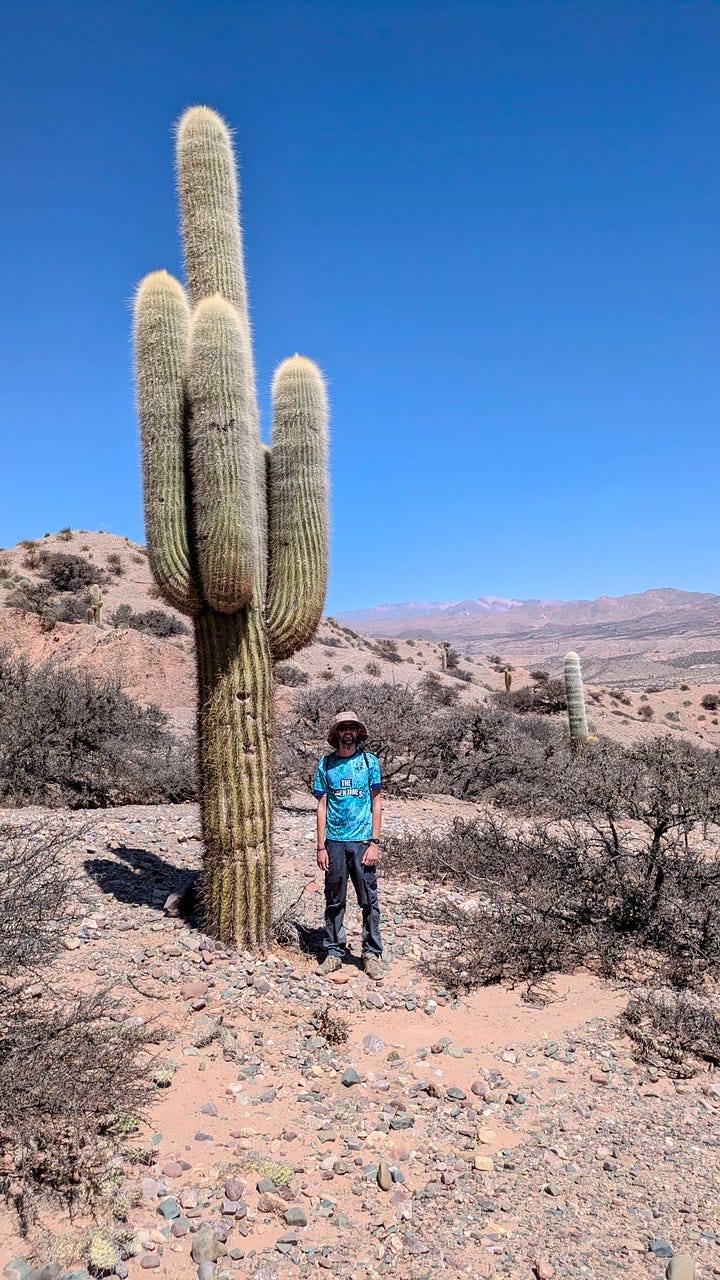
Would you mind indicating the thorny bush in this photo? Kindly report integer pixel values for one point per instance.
(622, 876)
(67, 1074)
(470, 752)
(670, 1029)
(66, 739)
(66, 572)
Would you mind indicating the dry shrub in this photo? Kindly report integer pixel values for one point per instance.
(153, 622)
(67, 1074)
(436, 692)
(66, 572)
(545, 698)
(392, 713)
(673, 1030)
(33, 894)
(287, 896)
(38, 597)
(290, 674)
(472, 753)
(66, 739)
(551, 896)
(387, 649)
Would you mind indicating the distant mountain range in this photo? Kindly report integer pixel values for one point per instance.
(651, 637)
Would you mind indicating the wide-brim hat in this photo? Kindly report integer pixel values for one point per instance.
(345, 717)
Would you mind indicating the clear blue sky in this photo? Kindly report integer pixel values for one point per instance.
(494, 224)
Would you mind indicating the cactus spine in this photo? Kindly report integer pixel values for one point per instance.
(238, 533)
(95, 607)
(579, 733)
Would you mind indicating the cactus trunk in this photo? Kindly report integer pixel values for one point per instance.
(235, 707)
(575, 697)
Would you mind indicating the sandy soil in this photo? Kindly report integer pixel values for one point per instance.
(520, 1139)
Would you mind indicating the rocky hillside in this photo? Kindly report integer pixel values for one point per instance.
(663, 637)
(161, 669)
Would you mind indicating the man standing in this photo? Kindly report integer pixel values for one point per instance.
(349, 817)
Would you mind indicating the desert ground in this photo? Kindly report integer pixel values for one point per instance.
(517, 1140)
(302, 1125)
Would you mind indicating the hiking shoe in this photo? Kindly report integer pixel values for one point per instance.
(329, 965)
(373, 968)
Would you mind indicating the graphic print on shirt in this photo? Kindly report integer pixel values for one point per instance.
(348, 782)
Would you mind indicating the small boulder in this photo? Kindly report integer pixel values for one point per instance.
(205, 1246)
(681, 1267)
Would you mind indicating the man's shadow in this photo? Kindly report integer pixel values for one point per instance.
(144, 878)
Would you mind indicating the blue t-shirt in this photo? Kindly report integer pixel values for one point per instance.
(348, 782)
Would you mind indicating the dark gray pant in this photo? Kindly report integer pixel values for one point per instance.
(345, 860)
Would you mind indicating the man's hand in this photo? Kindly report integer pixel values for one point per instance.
(323, 860)
(370, 856)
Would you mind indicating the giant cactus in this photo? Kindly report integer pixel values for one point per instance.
(575, 697)
(237, 532)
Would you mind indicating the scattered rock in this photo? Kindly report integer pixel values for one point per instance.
(681, 1267)
(205, 1246)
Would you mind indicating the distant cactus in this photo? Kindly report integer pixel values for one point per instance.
(579, 733)
(237, 532)
(95, 607)
(508, 679)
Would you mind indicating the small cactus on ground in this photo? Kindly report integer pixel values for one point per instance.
(161, 1072)
(575, 697)
(95, 606)
(238, 533)
(103, 1254)
(508, 679)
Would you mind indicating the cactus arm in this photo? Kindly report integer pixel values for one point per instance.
(208, 187)
(162, 320)
(224, 451)
(298, 507)
(579, 734)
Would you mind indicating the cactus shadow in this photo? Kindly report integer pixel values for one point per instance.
(140, 878)
(309, 938)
